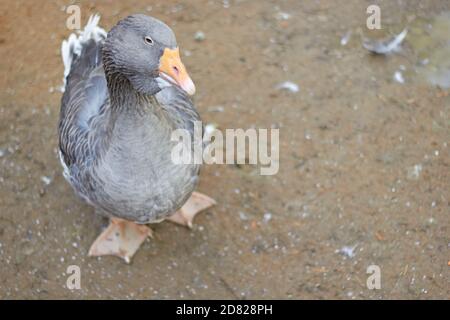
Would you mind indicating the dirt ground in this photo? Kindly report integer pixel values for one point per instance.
(364, 158)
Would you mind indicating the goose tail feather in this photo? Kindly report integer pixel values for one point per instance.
(71, 48)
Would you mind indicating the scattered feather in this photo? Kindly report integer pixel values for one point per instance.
(283, 16)
(199, 36)
(348, 251)
(345, 39)
(243, 216)
(216, 109)
(46, 180)
(289, 86)
(398, 76)
(424, 62)
(385, 46)
(267, 217)
(414, 172)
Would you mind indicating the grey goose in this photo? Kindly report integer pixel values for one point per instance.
(125, 91)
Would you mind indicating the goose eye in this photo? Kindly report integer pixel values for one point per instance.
(148, 40)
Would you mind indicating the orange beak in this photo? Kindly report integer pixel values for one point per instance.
(172, 69)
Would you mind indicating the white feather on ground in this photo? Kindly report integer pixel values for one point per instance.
(289, 86)
(385, 46)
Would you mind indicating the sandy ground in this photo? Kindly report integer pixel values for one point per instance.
(364, 160)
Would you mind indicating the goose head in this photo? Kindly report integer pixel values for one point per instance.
(144, 50)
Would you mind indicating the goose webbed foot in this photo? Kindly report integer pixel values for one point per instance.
(195, 204)
(121, 238)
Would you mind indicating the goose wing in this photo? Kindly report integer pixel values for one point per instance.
(85, 103)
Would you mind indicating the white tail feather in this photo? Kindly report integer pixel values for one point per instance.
(73, 45)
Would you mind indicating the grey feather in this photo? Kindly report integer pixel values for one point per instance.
(115, 139)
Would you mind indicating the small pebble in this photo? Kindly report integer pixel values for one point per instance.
(243, 216)
(216, 109)
(348, 251)
(283, 16)
(346, 38)
(46, 180)
(398, 76)
(414, 172)
(199, 36)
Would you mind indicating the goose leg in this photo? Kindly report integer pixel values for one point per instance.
(195, 204)
(121, 238)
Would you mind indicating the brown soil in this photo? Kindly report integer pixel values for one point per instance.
(349, 140)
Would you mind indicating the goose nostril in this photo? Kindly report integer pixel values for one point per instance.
(176, 70)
